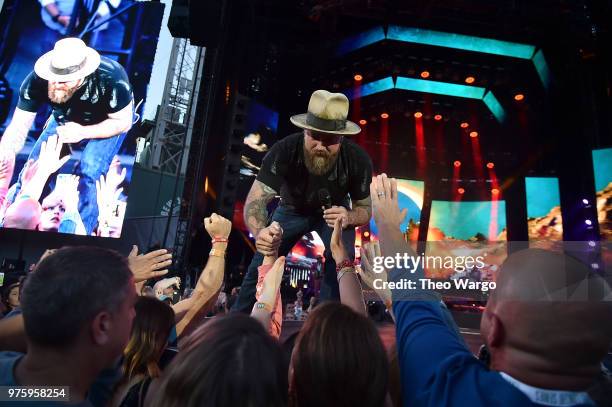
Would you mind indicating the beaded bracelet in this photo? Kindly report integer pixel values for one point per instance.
(218, 239)
(345, 263)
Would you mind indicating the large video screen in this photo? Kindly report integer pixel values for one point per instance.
(543, 209)
(74, 79)
(602, 166)
(466, 230)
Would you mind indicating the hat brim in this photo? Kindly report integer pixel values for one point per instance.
(350, 130)
(43, 65)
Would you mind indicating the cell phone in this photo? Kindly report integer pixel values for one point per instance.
(1, 279)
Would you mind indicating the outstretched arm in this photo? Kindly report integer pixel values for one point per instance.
(211, 279)
(255, 208)
(116, 123)
(15, 134)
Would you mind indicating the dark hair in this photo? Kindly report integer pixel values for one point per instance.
(150, 332)
(337, 346)
(229, 361)
(68, 288)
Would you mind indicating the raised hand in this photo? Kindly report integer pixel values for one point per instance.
(49, 159)
(383, 191)
(70, 193)
(115, 174)
(149, 265)
(369, 252)
(217, 226)
(272, 281)
(336, 244)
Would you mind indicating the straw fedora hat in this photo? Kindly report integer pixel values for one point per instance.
(327, 113)
(69, 60)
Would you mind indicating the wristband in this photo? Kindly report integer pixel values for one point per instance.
(345, 263)
(263, 305)
(218, 239)
(56, 18)
(217, 253)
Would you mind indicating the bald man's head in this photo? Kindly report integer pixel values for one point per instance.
(548, 313)
(23, 214)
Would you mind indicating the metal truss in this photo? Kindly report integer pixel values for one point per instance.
(170, 140)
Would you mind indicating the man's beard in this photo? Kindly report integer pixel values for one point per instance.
(60, 96)
(319, 163)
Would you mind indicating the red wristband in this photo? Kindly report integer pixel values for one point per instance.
(344, 264)
(218, 239)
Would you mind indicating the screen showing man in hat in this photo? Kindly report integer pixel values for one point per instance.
(92, 108)
(320, 176)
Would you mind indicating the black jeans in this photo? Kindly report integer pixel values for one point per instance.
(295, 226)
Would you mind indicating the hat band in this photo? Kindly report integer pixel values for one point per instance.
(325, 124)
(69, 69)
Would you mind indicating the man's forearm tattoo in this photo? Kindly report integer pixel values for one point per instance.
(255, 207)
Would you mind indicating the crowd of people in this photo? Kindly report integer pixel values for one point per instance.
(87, 322)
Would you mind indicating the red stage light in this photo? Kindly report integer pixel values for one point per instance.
(438, 117)
(425, 74)
(366, 234)
(457, 163)
(384, 115)
(464, 125)
(363, 122)
(474, 134)
(490, 165)
(495, 191)
(470, 79)
(461, 191)
(519, 96)
(358, 77)
(418, 115)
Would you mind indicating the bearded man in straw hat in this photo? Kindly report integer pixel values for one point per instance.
(320, 176)
(92, 104)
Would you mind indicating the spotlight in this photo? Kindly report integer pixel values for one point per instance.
(588, 222)
(592, 243)
(473, 134)
(457, 163)
(366, 234)
(425, 74)
(495, 191)
(464, 125)
(595, 266)
(363, 122)
(519, 96)
(470, 79)
(358, 77)
(438, 117)
(461, 191)
(384, 115)
(418, 115)
(585, 201)
(490, 165)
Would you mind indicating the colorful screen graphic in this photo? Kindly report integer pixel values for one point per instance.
(74, 91)
(543, 209)
(602, 166)
(459, 229)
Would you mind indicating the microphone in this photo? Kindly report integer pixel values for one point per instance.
(325, 198)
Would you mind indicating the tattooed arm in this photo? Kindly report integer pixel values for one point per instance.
(256, 217)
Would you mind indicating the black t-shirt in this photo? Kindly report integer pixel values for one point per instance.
(284, 170)
(105, 91)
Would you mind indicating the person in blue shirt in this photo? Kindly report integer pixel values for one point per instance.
(547, 326)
